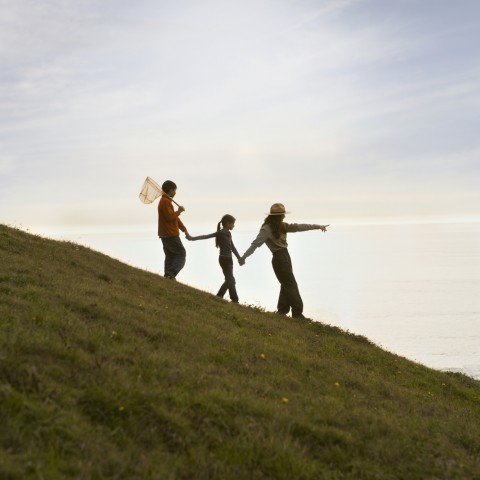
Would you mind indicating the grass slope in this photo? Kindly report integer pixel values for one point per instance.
(107, 371)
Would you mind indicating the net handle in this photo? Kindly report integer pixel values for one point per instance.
(163, 193)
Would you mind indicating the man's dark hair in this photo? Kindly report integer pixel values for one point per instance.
(168, 185)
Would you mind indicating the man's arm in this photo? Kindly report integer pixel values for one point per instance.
(183, 228)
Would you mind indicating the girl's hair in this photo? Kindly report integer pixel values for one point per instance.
(276, 224)
(222, 223)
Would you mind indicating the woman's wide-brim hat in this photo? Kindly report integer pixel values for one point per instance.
(277, 209)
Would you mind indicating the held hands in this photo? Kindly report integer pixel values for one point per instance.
(188, 236)
(241, 261)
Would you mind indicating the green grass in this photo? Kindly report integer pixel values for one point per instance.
(111, 372)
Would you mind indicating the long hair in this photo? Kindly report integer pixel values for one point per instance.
(276, 224)
(222, 223)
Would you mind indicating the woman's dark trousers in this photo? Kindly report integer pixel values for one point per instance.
(289, 294)
(229, 284)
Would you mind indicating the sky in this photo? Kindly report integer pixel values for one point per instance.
(343, 110)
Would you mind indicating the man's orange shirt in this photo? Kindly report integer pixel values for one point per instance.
(169, 223)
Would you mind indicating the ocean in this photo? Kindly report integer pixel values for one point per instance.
(412, 289)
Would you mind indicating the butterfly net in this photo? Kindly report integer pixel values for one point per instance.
(150, 191)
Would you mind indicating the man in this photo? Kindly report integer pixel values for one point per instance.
(169, 226)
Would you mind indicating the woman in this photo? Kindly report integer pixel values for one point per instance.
(274, 233)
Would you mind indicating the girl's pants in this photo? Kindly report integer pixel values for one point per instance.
(229, 284)
(289, 294)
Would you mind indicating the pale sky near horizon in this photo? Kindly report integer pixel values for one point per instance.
(344, 110)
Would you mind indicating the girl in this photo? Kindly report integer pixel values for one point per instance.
(223, 241)
(274, 233)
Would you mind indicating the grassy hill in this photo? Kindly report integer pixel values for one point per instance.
(110, 372)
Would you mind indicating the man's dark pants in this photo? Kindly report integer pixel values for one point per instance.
(289, 294)
(175, 255)
(229, 284)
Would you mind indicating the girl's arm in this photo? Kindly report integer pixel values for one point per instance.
(203, 237)
(235, 252)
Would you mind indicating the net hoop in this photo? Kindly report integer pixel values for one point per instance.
(150, 191)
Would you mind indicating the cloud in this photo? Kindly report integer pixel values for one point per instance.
(237, 100)
(6, 164)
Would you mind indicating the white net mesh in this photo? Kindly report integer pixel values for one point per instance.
(150, 191)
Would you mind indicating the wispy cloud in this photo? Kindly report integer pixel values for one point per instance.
(239, 98)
